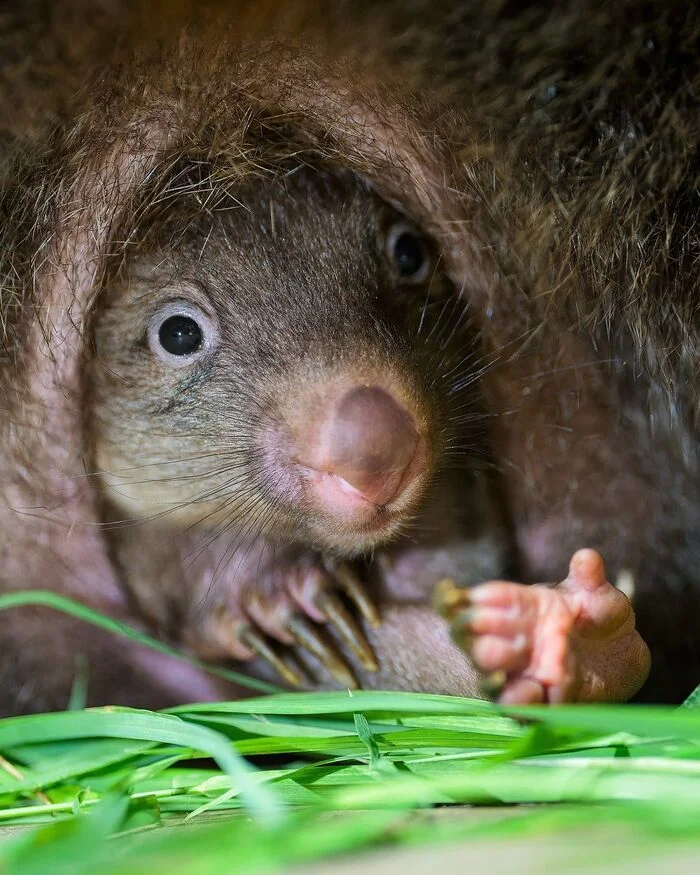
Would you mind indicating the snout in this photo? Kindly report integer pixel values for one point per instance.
(362, 450)
(353, 453)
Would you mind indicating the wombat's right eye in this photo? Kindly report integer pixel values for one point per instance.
(180, 335)
(180, 332)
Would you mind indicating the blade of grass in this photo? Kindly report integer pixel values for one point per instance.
(48, 599)
(350, 702)
(141, 725)
(640, 720)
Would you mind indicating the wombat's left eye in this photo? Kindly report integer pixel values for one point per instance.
(180, 335)
(409, 253)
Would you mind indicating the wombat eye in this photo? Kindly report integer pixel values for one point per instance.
(409, 253)
(180, 332)
(180, 335)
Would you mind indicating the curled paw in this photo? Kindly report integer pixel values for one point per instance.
(575, 641)
(293, 617)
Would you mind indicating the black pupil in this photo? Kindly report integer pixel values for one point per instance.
(409, 254)
(180, 335)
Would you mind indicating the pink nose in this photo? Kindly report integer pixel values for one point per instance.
(370, 440)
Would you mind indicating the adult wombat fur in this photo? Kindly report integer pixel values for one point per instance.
(550, 158)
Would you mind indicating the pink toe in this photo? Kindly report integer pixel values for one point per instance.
(498, 594)
(587, 569)
(304, 587)
(486, 620)
(524, 691)
(272, 616)
(493, 653)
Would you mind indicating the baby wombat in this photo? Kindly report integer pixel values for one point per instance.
(281, 381)
(255, 279)
(239, 382)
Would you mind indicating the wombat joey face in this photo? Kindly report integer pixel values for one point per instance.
(282, 365)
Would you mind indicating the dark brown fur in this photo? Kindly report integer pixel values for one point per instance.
(552, 153)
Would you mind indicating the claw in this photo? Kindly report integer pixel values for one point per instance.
(348, 631)
(460, 628)
(492, 684)
(450, 599)
(453, 603)
(307, 637)
(257, 643)
(348, 582)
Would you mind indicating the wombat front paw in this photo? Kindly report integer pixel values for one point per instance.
(576, 641)
(312, 595)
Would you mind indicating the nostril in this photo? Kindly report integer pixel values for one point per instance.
(370, 441)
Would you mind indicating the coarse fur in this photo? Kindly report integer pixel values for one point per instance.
(202, 451)
(101, 198)
(552, 154)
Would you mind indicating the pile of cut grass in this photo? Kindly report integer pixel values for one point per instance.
(333, 773)
(357, 767)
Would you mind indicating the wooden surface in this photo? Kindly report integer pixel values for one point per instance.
(580, 853)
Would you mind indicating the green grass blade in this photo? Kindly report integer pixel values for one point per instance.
(45, 598)
(141, 725)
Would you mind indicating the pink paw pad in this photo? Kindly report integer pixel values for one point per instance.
(575, 641)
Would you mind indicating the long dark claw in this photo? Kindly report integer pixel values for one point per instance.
(353, 589)
(307, 637)
(449, 599)
(453, 603)
(257, 643)
(492, 684)
(461, 629)
(347, 629)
